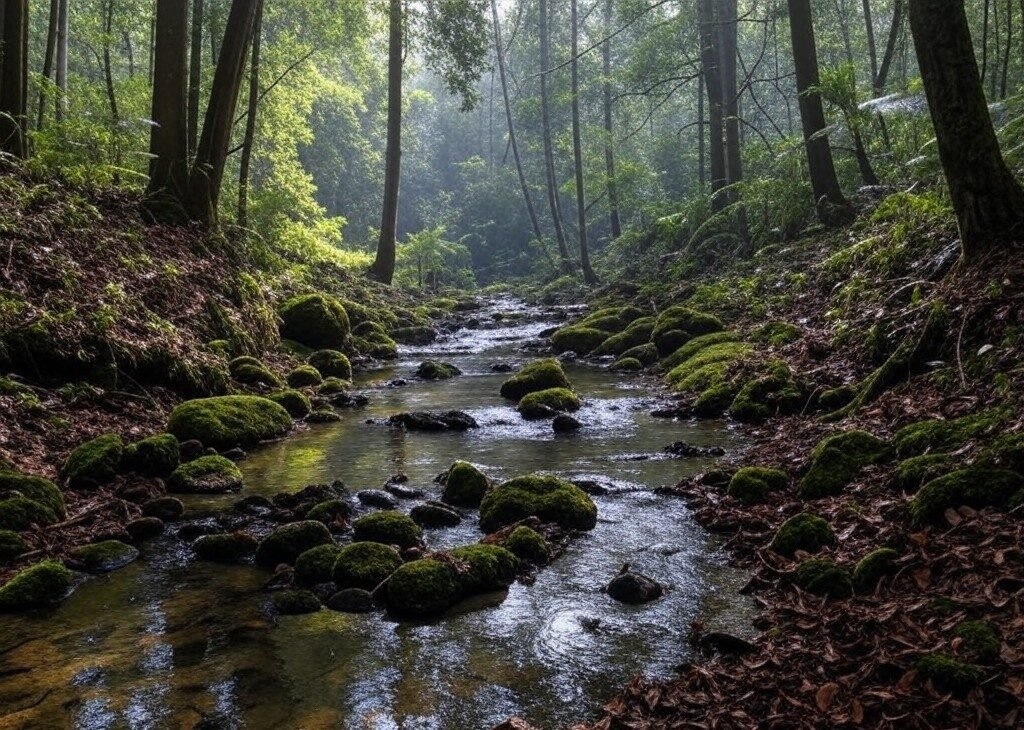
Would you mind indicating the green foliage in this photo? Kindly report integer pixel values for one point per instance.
(426, 256)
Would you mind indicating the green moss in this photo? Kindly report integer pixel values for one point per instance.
(331, 364)
(333, 386)
(422, 589)
(304, 376)
(762, 397)
(980, 640)
(777, 333)
(804, 531)
(491, 568)
(227, 421)
(824, 578)
(20, 513)
(947, 673)
(376, 345)
(975, 487)
(707, 367)
(94, 462)
(872, 567)
(637, 334)
(714, 401)
(833, 399)
(11, 545)
(206, 475)
(225, 548)
(388, 528)
(295, 402)
(918, 438)
(916, 471)
(288, 542)
(694, 346)
(578, 338)
(465, 486)
(685, 320)
(328, 511)
(35, 488)
(432, 370)
(535, 376)
(316, 565)
(647, 354)
(626, 365)
(753, 484)
(548, 498)
(42, 584)
(155, 456)
(1005, 452)
(103, 557)
(837, 460)
(417, 335)
(295, 603)
(250, 371)
(316, 320)
(365, 565)
(529, 545)
(539, 404)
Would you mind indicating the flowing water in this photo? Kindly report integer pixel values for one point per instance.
(171, 642)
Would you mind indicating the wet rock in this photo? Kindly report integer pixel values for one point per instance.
(254, 505)
(103, 557)
(287, 543)
(688, 451)
(398, 478)
(351, 600)
(565, 423)
(718, 642)
(225, 548)
(398, 383)
(167, 509)
(235, 454)
(502, 367)
(594, 487)
(435, 421)
(294, 603)
(546, 333)
(568, 357)
(332, 512)
(435, 515)
(377, 498)
(433, 370)
(206, 475)
(666, 549)
(634, 588)
(191, 450)
(403, 492)
(323, 416)
(195, 528)
(348, 400)
(716, 478)
(670, 413)
(144, 528)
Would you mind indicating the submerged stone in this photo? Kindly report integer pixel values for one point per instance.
(103, 557)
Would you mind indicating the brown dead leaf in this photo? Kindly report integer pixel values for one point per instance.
(825, 695)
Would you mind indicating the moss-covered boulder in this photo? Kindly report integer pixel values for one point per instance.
(708, 367)
(226, 548)
(433, 370)
(94, 463)
(20, 513)
(804, 531)
(833, 399)
(316, 565)
(769, 394)
(753, 484)
(975, 487)
(224, 422)
(948, 674)
(423, 589)
(546, 497)
(490, 568)
(375, 342)
(365, 565)
(11, 545)
(418, 335)
(38, 489)
(295, 603)
(612, 319)
(206, 475)
(304, 376)
(872, 567)
(388, 528)
(939, 435)
(156, 456)
(824, 578)
(465, 485)
(637, 334)
(979, 640)
(287, 543)
(911, 474)
(646, 354)
(626, 365)
(251, 371)
(696, 346)
(529, 545)
(715, 400)
(837, 460)
(577, 338)
(37, 586)
(548, 403)
(316, 320)
(777, 333)
(103, 557)
(329, 511)
(333, 386)
(294, 401)
(331, 364)
(535, 376)
(678, 325)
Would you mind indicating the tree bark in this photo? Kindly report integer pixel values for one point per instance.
(872, 48)
(61, 72)
(48, 58)
(108, 71)
(609, 128)
(712, 70)
(701, 134)
(577, 150)
(549, 152)
(195, 75)
(14, 79)
(168, 167)
(988, 200)
(890, 46)
(250, 122)
(730, 96)
(383, 268)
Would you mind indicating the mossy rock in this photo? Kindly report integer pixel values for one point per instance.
(696, 346)
(331, 364)
(95, 462)
(837, 460)
(824, 578)
(365, 565)
(612, 319)
(911, 474)
(38, 489)
(250, 371)
(37, 586)
(103, 557)
(753, 484)
(548, 498)
(388, 528)
(937, 435)
(156, 456)
(577, 338)
(646, 354)
(226, 548)
(465, 485)
(416, 336)
(529, 545)
(316, 320)
(206, 475)
(423, 589)
(974, 487)
(329, 511)
(377, 345)
(833, 399)
(224, 422)
(491, 568)
(316, 565)
(980, 640)
(777, 333)
(948, 674)
(295, 603)
(304, 376)
(638, 333)
(540, 404)
(708, 367)
(1005, 452)
(366, 328)
(295, 402)
(287, 543)
(11, 545)
(626, 365)
(535, 376)
(689, 322)
(333, 386)
(433, 370)
(804, 531)
(872, 567)
(762, 397)
(715, 401)
(20, 513)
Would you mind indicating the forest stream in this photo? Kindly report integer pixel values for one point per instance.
(172, 641)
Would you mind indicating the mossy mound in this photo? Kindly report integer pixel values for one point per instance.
(694, 346)
(612, 319)
(548, 498)
(316, 320)
(975, 487)
(465, 485)
(331, 364)
(365, 565)
(491, 568)
(433, 370)
(423, 588)
(925, 436)
(333, 386)
(872, 567)
(715, 401)
(980, 640)
(777, 333)
(416, 336)
(833, 399)
(295, 402)
(1006, 452)
(542, 403)
(206, 475)
(224, 422)
(948, 674)
(535, 376)
(626, 365)
(388, 528)
(38, 489)
(753, 484)
(295, 603)
(103, 557)
(646, 354)
(678, 325)
(375, 344)
(287, 543)
(250, 371)
(304, 376)
(578, 338)
(94, 463)
(911, 474)
(708, 367)
(804, 531)
(11, 545)
(225, 548)
(638, 333)
(329, 511)
(39, 585)
(824, 578)
(156, 456)
(837, 460)
(764, 396)
(529, 545)
(316, 565)
(20, 513)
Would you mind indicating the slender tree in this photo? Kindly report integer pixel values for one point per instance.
(549, 152)
(383, 268)
(869, 24)
(61, 72)
(728, 31)
(988, 199)
(577, 149)
(250, 120)
(108, 71)
(168, 141)
(48, 58)
(711, 67)
(609, 130)
(195, 75)
(14, 79)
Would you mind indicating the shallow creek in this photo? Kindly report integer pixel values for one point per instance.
(171, 642)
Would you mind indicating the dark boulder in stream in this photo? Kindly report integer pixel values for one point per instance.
(565, 423)
(434, 421)
(351, 600)
(435, 515)
(634, 588)
(165, 508)
(377, 498)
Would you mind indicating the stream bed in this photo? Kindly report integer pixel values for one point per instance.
(173, 642)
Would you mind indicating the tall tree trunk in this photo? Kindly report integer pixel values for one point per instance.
(549, 152)
(250, 122)
(872, 48)
(890, 46)
(61, 72)
(609, 129)
(577, 149)
(48, 58)
(383, 269)
(129, 48)
(701, 134)
(108, 71)
(712, 69)
(14, 79)
(212, 152)
(988, 200)
(1004, 79)
(828, 197)
(730, 96)
(168, 167)
(195, 75)
(984, 43)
